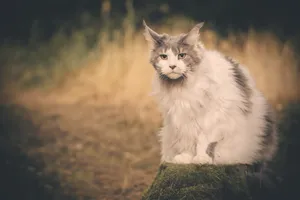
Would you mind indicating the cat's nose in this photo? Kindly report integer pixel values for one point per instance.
(172, 66)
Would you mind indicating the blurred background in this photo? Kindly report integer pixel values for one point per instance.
(77, 118)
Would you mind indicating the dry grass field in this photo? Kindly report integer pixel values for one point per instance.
(93, 124)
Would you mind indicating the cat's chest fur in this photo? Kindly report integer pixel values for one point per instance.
(187, 108)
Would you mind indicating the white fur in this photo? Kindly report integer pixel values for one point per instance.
(205, 110)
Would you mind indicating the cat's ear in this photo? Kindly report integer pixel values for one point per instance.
(151, 36)
(192, 37)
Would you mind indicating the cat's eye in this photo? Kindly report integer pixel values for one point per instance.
(181, 55)
(163, 56)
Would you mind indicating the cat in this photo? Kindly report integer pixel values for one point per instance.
(213, 113)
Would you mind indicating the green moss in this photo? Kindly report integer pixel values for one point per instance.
(205, 182)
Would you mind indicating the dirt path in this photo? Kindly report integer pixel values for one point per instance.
(57, 151)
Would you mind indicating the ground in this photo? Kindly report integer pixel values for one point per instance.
(96, 150)
(76, 151)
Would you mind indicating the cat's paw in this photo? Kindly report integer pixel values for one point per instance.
(183, 158)
(199, 159)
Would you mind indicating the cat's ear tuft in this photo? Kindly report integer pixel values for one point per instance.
(151, 36)
(192, 37)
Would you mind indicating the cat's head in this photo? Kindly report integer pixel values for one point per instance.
(174, 57)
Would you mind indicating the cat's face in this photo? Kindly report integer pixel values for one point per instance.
(174, 57)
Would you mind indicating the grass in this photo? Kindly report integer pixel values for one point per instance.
(96, 122)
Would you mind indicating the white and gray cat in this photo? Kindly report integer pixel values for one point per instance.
(213, 112)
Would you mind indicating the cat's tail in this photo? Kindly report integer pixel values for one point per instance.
(271, 139)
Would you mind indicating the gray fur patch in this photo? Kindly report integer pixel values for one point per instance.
(210, 151)
(242, 83)
(192, 59)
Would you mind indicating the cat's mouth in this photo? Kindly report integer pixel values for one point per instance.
(174, 75)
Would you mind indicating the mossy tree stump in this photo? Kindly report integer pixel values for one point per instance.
(210, 182)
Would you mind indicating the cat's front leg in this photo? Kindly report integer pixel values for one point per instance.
(201, 151)
(167, 145)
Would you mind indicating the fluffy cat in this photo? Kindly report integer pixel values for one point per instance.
(212, 111)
